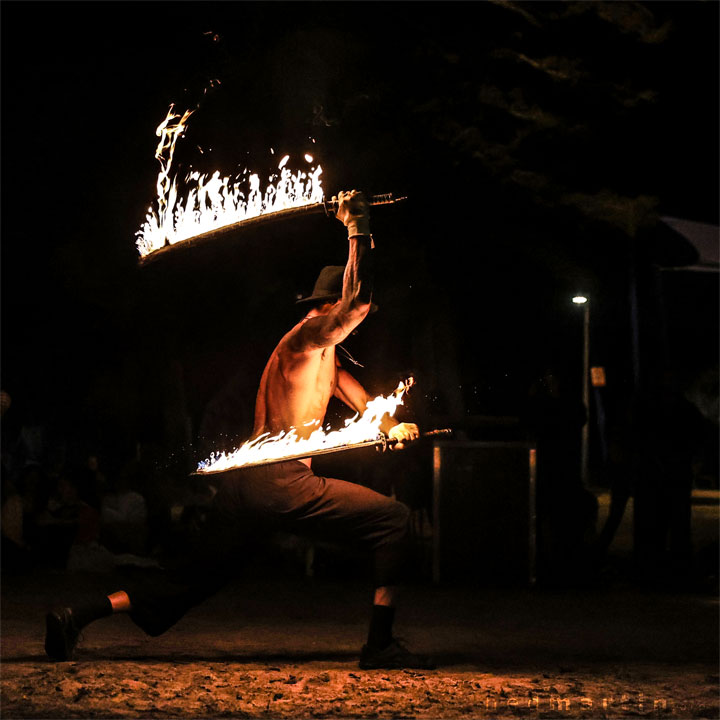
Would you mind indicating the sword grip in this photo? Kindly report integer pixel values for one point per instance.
(384, 199)
(440, 432)
(386, 442)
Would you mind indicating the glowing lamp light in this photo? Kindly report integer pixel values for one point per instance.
(580, 299)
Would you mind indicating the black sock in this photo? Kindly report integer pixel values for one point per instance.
(89, 610)
(380, 633)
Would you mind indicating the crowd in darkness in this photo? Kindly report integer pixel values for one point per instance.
(72, 507)
(66, 508)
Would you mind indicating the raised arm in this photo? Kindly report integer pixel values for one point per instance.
(328, 329)
(354, 395)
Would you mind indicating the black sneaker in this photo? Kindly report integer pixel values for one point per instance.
(394, 656)
(61, 634)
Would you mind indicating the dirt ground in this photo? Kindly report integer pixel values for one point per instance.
(288, 647)
(283, 645)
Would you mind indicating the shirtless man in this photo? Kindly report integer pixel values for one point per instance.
(300, 377)
(303, 372)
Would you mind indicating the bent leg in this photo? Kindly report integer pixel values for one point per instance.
(161, 601)
(331, 509)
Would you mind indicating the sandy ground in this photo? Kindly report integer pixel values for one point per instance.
(283, 645)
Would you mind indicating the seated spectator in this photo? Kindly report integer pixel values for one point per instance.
(124, 515)
(15, 551)
(34, 487)
(72, 513)
(10, 457)
(100, 481)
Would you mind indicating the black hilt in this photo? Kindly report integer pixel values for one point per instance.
(384, 442)
(331, 205)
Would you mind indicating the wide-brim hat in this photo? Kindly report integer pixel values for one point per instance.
(328, 287)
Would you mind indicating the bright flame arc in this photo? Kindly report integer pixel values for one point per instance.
(214, 202)
(266, 448)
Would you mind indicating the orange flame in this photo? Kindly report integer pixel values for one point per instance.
(265, 448)
(214, 202)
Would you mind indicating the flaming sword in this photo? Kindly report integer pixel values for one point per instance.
(326, 206)
(382, 442)
(217, 205)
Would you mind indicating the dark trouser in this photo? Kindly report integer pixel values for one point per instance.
(282, 497)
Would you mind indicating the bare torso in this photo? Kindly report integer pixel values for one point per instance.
(295, 388)
(302, 373)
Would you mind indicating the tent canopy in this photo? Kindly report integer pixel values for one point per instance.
(703, 237)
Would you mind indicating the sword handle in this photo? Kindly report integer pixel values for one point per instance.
(384, 199)
(441, 432)
(386, 442)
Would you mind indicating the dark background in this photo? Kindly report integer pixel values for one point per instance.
(537, 143)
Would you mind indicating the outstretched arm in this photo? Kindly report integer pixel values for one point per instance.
(351, 392)
(354, 395)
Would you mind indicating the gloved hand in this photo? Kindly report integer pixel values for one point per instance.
(354, 212)
(403, 432)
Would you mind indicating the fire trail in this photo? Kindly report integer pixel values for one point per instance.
(381, 443)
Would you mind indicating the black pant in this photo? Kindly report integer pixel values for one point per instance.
(287, 497)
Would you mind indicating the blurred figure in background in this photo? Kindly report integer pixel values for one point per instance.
(124, 514)
(668, 430)
(566, 511)
(15, 550)
(27, 520)
(10, 430)
(5, 402)
(72, 523)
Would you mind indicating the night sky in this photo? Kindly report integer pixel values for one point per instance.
(537, 144)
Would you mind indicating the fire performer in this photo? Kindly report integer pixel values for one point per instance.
(301, 376)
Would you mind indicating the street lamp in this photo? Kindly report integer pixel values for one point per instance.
(584, 300)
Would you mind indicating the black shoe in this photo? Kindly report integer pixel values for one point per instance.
(394, 656)
(61, 634)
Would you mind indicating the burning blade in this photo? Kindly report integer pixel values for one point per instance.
(217, 204)
(326, 206)
(380, 442)
(362, 429)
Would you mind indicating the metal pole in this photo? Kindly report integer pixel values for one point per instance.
(437, 467)
(585, 395)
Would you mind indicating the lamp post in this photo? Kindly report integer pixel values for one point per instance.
(584, 300)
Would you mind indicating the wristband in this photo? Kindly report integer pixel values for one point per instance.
(353, 227)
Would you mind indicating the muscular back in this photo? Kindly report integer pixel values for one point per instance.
(296, 387)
